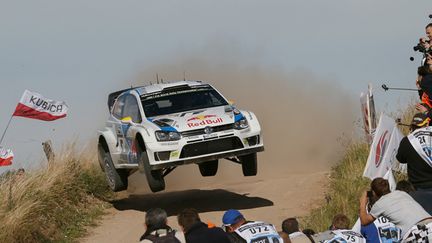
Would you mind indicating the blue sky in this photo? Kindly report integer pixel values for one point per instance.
(79, 51)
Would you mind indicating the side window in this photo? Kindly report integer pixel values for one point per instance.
(132, 109)
(118, 107)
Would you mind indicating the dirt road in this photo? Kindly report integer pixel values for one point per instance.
(270, 199)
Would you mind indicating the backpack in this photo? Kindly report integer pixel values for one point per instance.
(168, 238)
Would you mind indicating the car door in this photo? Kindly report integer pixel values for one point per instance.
(131, 116)
(116, 124)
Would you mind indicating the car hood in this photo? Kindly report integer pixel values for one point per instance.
(197, 119)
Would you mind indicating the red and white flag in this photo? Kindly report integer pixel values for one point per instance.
(6, 156)
(382, 154)
(35, 106)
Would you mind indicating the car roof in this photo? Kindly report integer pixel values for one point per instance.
(152, 88)
(158, 87)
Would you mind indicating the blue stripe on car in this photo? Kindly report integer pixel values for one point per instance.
(165, 128)
(238, 117)
(168, 129)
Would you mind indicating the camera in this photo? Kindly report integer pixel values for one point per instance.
(421, 48)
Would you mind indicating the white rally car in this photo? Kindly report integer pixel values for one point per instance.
(157, 127)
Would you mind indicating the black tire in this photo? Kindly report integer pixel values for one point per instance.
(155, 179)
(249, 164)
(117, 179)
(209, 168)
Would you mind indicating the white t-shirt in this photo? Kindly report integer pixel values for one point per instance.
(257, 232)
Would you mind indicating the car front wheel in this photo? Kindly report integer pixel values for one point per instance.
(249, 164)
(155, 178)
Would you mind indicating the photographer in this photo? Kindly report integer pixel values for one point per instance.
(399, 207)
(423, 42)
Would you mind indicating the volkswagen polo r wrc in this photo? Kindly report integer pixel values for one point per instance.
(157, 127)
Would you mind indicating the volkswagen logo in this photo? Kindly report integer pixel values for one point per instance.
(208, 130)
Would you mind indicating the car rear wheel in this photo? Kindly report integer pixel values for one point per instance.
(209, 168)
(249, 164)
(155, 178)
(117, 178)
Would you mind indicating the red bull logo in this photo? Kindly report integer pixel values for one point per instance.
(381, 148)
(203, 120)
(200, 117)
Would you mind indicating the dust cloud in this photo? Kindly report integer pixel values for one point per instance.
(302, 117)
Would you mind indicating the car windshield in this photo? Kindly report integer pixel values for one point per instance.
(181, 99)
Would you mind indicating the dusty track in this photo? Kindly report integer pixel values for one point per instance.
(268, 199)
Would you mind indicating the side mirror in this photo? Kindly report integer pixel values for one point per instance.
(126, 120)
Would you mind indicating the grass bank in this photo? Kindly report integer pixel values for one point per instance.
(345, 186)
(56, 203)
(346, 182)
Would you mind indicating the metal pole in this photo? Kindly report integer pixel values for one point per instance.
(4, 132)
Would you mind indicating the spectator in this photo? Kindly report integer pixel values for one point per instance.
(411, 152)
(381, 230)
(338, 232)
(291, 227)
(157, 229)
(309, 233)
(284, 236)
(241, 231)
(426, 42)
(196, 231)
(422, 197)
(340, 221)
(399, 207)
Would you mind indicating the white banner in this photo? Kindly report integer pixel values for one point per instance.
(35, 106)
(382, 155)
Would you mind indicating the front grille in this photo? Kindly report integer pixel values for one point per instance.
(160, 156)
(201, 131)
(213, 146)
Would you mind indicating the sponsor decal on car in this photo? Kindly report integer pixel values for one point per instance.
(203, 120)
(174, 154)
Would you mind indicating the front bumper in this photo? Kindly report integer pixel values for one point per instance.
(197, 149)
(200, 159)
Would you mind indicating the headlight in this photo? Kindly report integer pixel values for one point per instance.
(163, 136)
(241, 124)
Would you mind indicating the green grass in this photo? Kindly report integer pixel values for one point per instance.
(345, 186)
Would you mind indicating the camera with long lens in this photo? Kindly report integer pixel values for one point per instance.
(420, 48)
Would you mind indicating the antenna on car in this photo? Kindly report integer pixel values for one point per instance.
(157, 78)
(184, 75)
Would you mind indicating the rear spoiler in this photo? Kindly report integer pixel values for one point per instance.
(113, 96)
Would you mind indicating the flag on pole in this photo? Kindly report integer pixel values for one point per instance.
(35, 106)
(382, 155)
(368, 112)
(6, 156)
